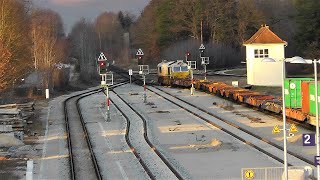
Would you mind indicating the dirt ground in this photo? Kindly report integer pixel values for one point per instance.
(13, 159)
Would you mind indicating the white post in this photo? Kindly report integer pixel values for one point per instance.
(317, 112)
(192, 88)
(47, 93)
(29, 173)
(145, 89)
(108, 105)
(205, 72)
(285, 163)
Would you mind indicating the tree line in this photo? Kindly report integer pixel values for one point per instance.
(164, 24)
(30, 39)
(34, 38)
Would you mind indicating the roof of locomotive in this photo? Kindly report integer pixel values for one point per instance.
(179, 63)
(165, 62)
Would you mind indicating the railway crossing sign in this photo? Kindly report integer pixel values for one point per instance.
(140, 52)
(202, 48)
(308, 139)
(293, 128)
(249, 174)
(102, 57)
(275, 129)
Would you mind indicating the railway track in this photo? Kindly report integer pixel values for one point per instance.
(151, 145)
(136, 154)
(80, 150)
(225, 121)
(230, 124)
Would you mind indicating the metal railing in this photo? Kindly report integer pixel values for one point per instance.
(277, 173)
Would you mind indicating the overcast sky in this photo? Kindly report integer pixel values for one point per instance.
(72, 10)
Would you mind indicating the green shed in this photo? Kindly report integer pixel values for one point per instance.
(313, 98)
(292, 91)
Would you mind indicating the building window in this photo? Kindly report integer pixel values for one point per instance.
(261, 53)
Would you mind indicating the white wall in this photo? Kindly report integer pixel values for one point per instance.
(276, 51)
(263, 73)
(267, 73)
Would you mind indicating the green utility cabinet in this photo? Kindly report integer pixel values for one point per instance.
(313, 98)
(292, 91)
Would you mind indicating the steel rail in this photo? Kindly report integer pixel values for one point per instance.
(69, 141)
(152, 146)
(233, 125)
(236, 126)
(141, 161)
(67, 126)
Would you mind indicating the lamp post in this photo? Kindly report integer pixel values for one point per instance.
(297, 60)
(285, 161)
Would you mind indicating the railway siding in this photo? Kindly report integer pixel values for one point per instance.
(187, 140)
(113, 154)
(155, 164)
(246, 137)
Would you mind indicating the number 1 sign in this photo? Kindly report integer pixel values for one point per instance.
(308, 140)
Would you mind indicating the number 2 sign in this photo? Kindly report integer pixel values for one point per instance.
(308, 140)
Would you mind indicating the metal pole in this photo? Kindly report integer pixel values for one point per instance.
(108, 105)
(201, 37)
(317, 112)
(145, 88)
(205, 72)
(130, 84)
(192, 88)
(284, 123)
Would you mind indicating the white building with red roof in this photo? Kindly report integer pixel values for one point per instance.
(264, 44)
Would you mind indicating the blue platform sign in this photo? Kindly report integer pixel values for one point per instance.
(317, 160)
(308, 139)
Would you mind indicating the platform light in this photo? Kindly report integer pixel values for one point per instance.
(297, 60)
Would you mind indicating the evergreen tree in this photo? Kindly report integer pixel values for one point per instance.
(308, 20)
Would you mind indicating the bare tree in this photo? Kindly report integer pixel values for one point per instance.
(47, 33)
(15, 38)
(109, 31)
(85, 48)
(5, 66)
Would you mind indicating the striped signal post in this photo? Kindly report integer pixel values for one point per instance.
(192, 66)
(143, 70)
(107, 80)
(144, 89)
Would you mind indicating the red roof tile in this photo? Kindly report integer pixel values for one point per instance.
(264, 36)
